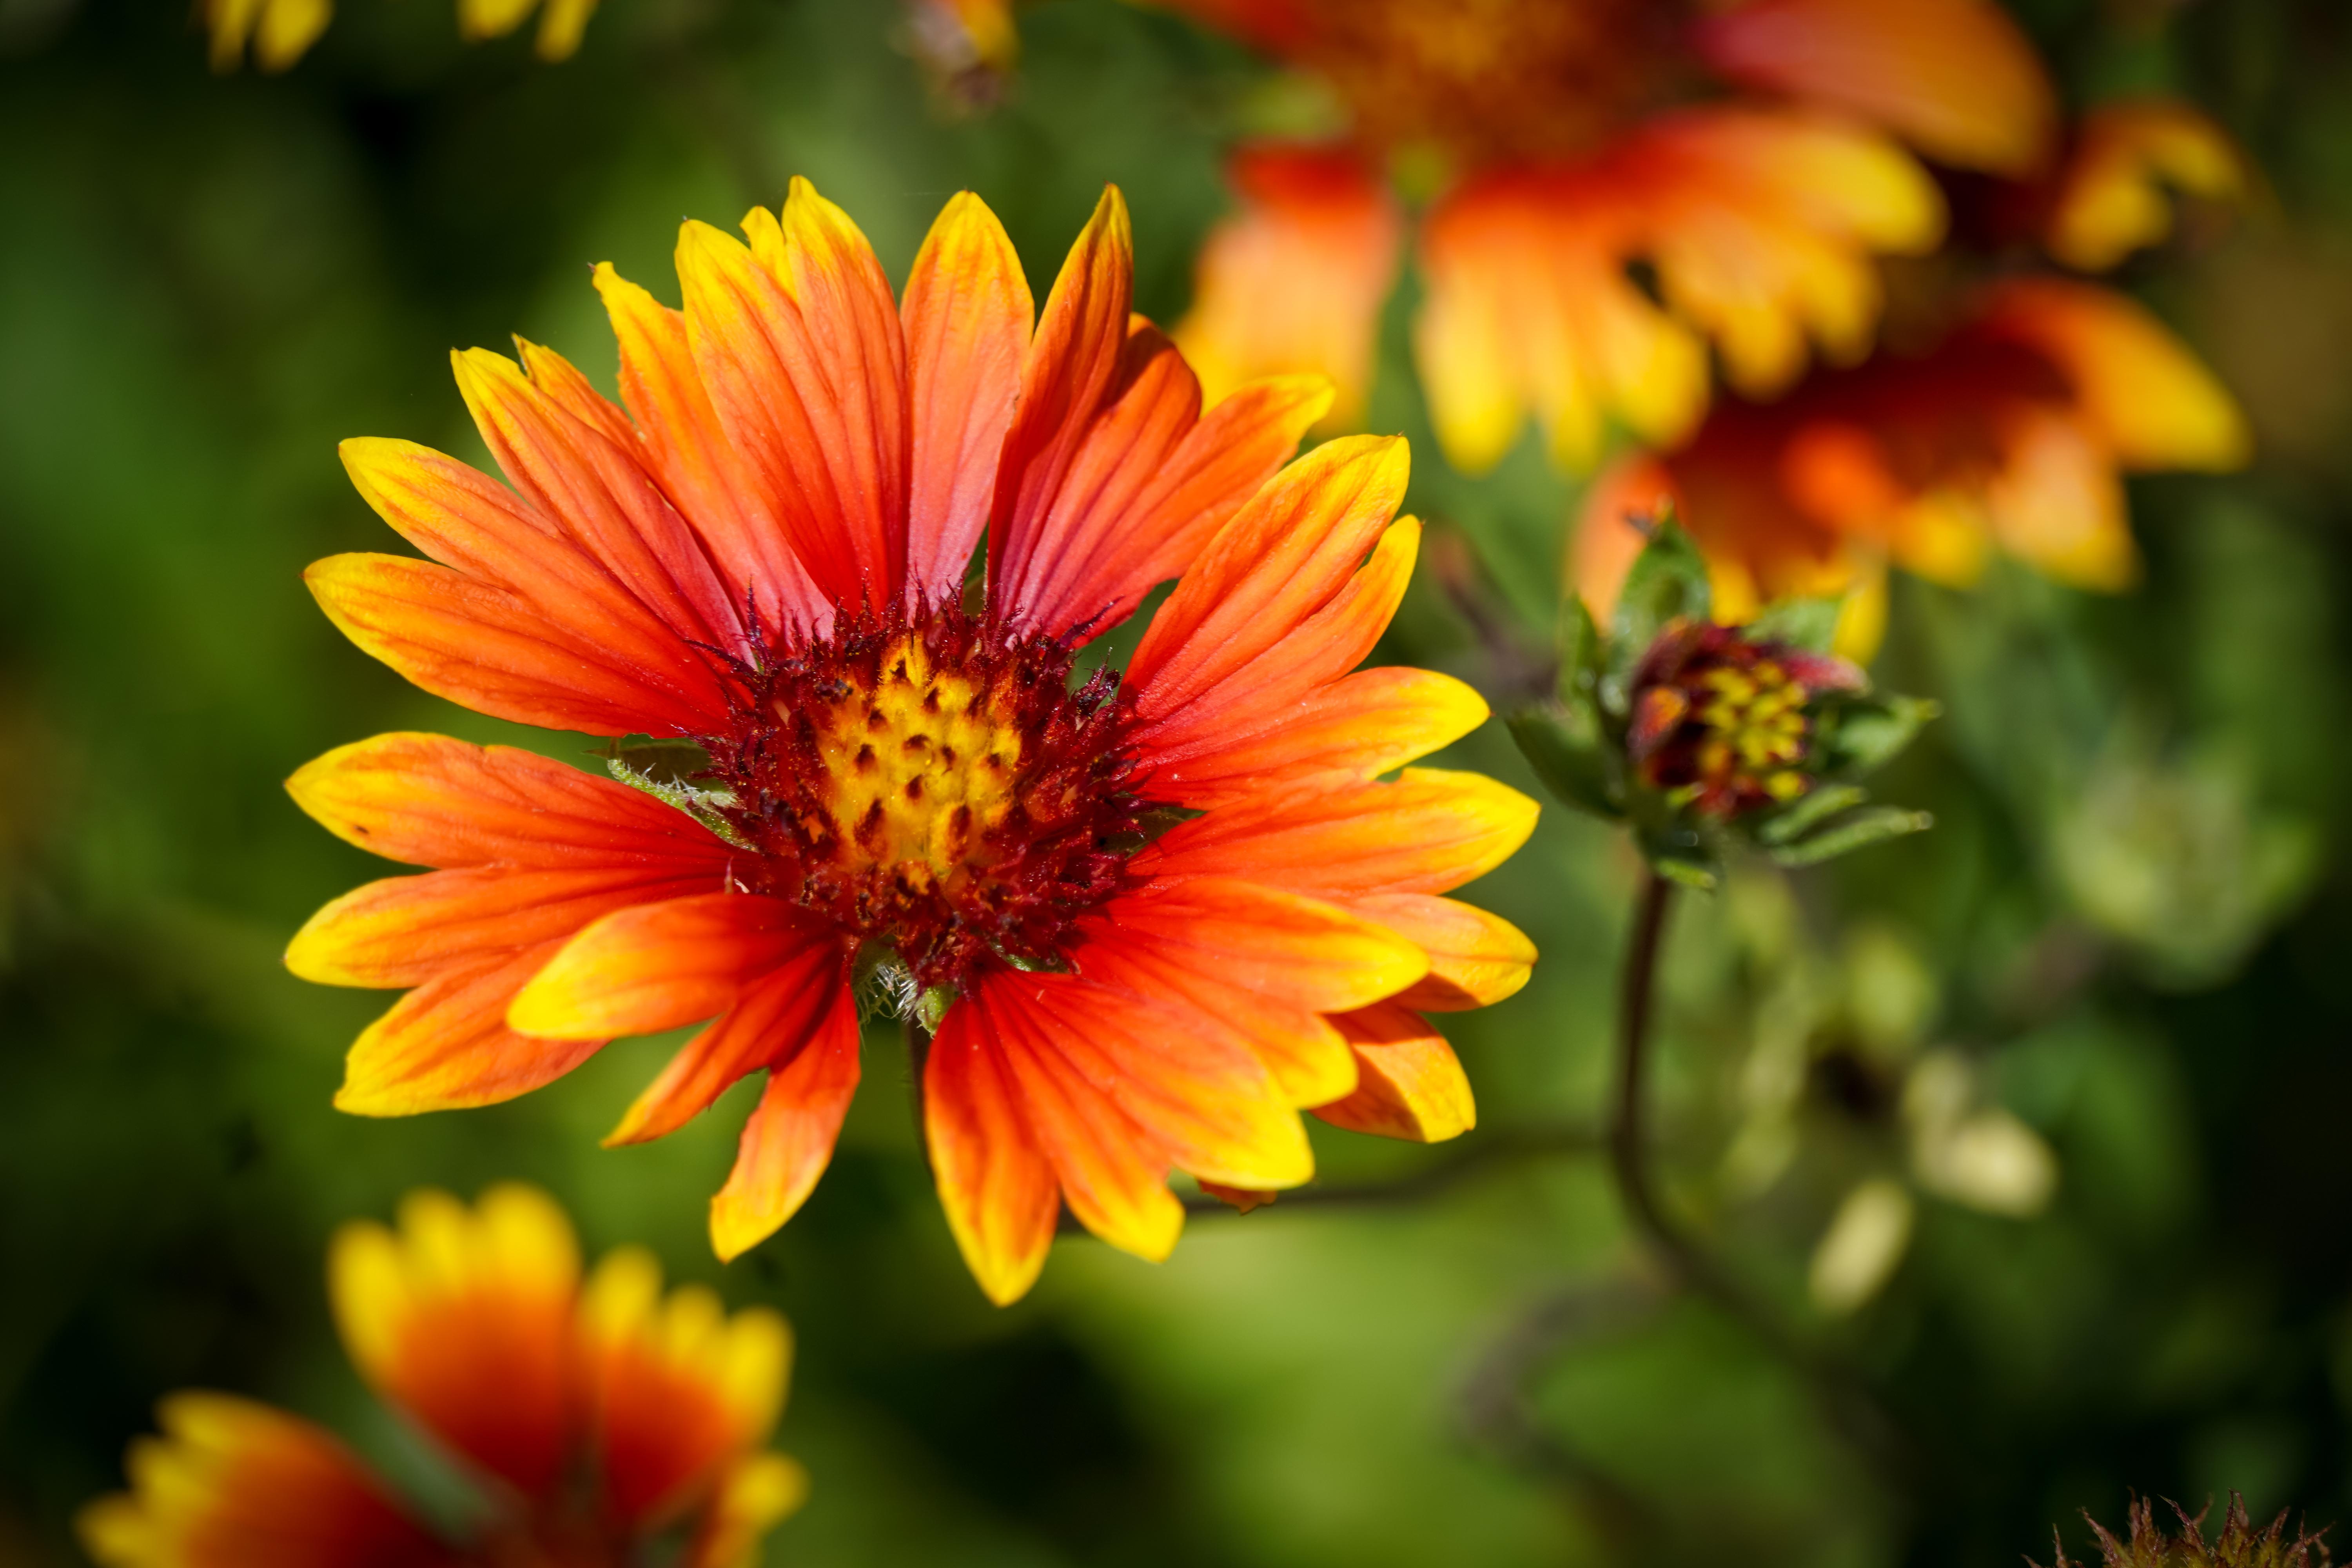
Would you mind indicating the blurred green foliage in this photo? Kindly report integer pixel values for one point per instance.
(2133, 915)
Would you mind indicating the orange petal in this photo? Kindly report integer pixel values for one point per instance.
(463, 1317)
(644, 970)
(2153, 405)
(487, 648)
(2058, 503)
(708, 481)
(564, 386)
(1267, 692)
(1050, 581)
(1955, 77)
(1360, 726)
(1761, 226)
(1265, 964)
(593, 487)
(1306, 1056)
(433, 801)
(679, 1393)
(1151, 484)
(1409, 1083)
(1475, 959)
(1281, 559)
(1490, 267)
(1000, 1193)
(232, 1484)
(773, 1020)
(1113, 1172)
(753, 1495)
(966, 314)
(799, 346)
(1427, 833)
(1296, 950)
(1073, 364)
(462, 520)
(788, 1140)
(1294, 281)
(446, 1044)
(404, 931)
(1199, 1095)
(2114, 198)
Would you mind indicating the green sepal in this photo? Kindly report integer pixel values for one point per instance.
(1680, 854)
(1808, 623)
(932, 1007)
(1571, 758)
(666, 770)
(1666, 582)
(1859, 733)
(1806, 812)
(1870, 825)
(1582, 659)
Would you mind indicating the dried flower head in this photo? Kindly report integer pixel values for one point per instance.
(2240, 1544)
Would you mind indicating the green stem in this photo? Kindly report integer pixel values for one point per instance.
(1849, 1405)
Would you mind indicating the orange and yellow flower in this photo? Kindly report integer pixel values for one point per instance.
(2011, 430)
(599, 1420)
(1152, 914)
(1751, 155)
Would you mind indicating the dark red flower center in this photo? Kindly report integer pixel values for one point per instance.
(933, 785)
(1723, 722)
(1492, 79)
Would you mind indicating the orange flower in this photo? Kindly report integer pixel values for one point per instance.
(2013, 432)
(1151, 916)
(1573, 147)
(596, 1420)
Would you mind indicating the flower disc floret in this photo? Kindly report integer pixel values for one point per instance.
(931, 783)
(1719, 720)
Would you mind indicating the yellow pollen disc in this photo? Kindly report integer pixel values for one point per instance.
(922, 771)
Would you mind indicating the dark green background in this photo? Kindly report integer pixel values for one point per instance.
(205, 282)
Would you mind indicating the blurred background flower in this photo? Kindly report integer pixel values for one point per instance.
(586, 1421)
(1433, 1354)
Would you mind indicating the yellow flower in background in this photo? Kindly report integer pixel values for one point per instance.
(1754, 159)
(2009, 426)
(277, 33)
(2012, 433)
(600, 1420)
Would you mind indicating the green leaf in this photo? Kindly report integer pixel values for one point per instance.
(665, 770)
(1808, 623)
(1808, 811)
(1581, 658)
(1872, 825)
(665, 762)
(1570, 758)
(1667, 582)
(1860, 733)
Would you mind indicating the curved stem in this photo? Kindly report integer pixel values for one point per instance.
(1849, 1405)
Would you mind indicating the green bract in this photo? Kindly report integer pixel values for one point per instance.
(1695, 734)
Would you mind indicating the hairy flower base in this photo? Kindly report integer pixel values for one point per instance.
(928, 781)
